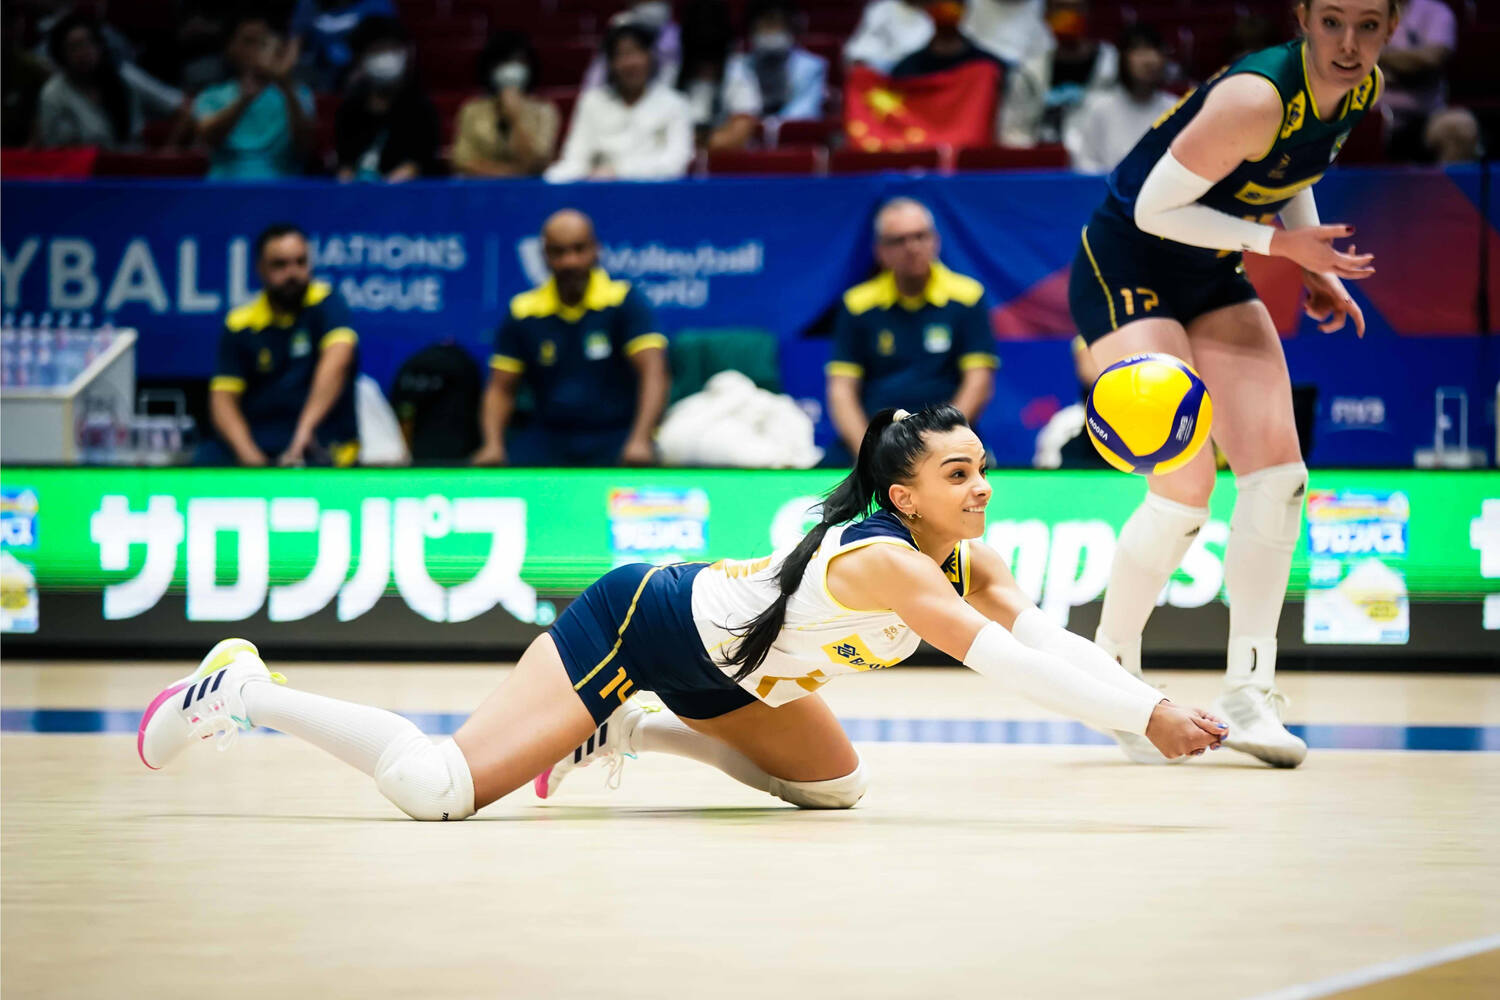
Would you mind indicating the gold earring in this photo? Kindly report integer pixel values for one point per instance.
(914, 516)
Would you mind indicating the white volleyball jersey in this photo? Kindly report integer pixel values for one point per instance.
(820, 638)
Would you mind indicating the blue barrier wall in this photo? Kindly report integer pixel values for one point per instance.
(438, 260)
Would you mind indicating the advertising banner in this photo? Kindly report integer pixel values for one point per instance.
(430, 261)
(434, 558)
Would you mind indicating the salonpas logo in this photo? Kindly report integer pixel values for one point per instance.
(393, 544)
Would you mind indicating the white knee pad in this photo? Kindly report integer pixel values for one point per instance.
(426, 780)
(1160, 532)
(1268, 506)
(835, 793)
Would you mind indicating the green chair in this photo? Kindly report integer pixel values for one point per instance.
(698, 355)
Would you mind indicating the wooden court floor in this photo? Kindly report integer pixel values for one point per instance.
(1001, 865)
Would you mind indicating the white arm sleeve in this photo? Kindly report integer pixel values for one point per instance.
(1033, 628)
(1301, 211)
(1166, 207)
(1059, 685)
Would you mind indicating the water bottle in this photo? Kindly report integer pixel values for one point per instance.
(46, 365)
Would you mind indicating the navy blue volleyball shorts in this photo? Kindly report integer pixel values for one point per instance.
(1121, 275)
(632, 630)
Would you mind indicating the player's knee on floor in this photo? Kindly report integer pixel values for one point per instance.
(426, 780)
(835, 793)
(1269, 504)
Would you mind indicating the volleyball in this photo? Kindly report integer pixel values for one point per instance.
(1148, 414)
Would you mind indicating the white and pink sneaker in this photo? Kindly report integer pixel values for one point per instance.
(610, 741)
(203, 705)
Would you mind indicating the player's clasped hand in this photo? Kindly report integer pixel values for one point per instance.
(1178, 731)
(1312, 247)
(1330, 304)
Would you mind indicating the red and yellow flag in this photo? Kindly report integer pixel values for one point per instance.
(953, 108)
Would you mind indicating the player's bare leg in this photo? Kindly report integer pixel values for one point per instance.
(1240, 358)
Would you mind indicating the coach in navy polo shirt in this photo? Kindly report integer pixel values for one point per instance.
(915, 334)
(283, 389)
(587, 346)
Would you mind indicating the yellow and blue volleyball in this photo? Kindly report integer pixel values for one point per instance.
(1148, 414)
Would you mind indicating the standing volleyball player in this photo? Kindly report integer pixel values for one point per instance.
(736, 650)
(1160, 269)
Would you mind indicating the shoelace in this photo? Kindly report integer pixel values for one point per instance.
(224, 726)
(1279, 702)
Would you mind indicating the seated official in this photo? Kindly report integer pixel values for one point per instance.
(914, 335)
(586, 345)
(283, 390)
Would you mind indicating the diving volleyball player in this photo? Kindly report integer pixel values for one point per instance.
(736, 650)
(1159, 268)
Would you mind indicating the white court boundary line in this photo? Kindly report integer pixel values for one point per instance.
(1383, 970)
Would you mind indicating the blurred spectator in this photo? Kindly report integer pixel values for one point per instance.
(791, 79)
(1010, 30)
(915, 334)
(283, 389)
(656, 17)
(948, 48)
(887, 31)
(635, 127)
(258, 125)
(1413, 63)
(1452, 136)
(508, 132)
(724, 96)
(1049, 86)
(587, 346)
(1111, 121)
(155, 99)
(325, 29)
(86, 102)
(386, 127)
(24, 75)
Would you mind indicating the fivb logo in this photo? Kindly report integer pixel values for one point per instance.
(1184, 429)
(393, 536)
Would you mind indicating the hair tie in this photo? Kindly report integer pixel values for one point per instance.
(899, 416)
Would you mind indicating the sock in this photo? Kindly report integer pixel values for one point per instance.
(663, 732)
(1152, 544)
(355, 734)
(1257, 562)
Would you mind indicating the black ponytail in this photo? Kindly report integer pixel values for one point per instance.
(888, 454)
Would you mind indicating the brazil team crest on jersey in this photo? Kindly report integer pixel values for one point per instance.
(885, 343)
(596, 346)
(937, 338)
(301, 345)
(852, 652)
(547, 353)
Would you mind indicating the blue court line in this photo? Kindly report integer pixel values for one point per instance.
(1038, 732)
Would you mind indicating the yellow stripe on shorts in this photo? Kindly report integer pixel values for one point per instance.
(1113, 323)
(620, 636)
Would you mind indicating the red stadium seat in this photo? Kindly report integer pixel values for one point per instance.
(563, 65)
(859, 161)
(450, 63)
(462, 27)
(807, 133)
(785, 160)
(158, 164)
(1366, 144)
(1045, 157)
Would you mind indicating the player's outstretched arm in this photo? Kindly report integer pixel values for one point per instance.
(997, 596)
(911, 585)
